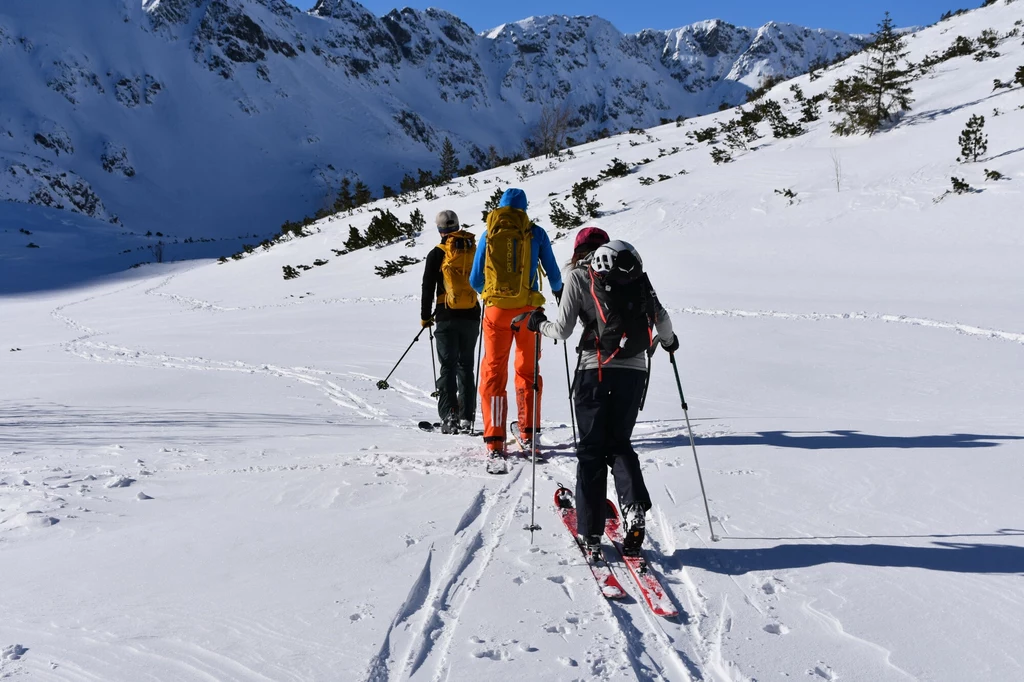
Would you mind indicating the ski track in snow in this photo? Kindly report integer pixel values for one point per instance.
(434, 605)
(960, 328)
(657, 648)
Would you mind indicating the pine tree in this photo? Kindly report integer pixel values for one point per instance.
(1019, 76)
(362, 194)
(492, 202)
(973, 140)
(343, 202)
(881, 88)
(449, 161)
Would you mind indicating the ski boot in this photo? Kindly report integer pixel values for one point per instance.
(632, 529)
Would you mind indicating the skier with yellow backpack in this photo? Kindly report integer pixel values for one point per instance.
(507, 273)
(450, 301)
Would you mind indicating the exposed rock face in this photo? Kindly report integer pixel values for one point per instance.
(222, 103)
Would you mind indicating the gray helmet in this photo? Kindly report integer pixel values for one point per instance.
(605, 255)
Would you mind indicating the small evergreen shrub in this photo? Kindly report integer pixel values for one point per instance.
(646, 181)
(585, 206)
(616, 169)
(708, 135)
(562, 218)
(960, 186)
(973, 141)
(766, 85)
(290, 272)
(492, 202)
(719, 155)
(788, 194)
(993, 175)
(1018, 78)
(395, 267)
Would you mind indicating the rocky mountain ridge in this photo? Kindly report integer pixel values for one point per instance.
(215, 113)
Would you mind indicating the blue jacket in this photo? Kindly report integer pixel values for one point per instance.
(540, 252)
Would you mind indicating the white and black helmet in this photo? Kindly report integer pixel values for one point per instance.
(604, 257)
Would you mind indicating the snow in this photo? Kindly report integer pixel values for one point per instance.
(852, 363)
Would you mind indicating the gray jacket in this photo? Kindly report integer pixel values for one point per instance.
(577, 304)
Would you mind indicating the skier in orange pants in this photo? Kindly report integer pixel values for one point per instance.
(506, 272)
(498, 337)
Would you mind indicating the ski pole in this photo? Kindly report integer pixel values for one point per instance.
(383, 383)
(647, 381)
(689, 429)
(479, 359)
(536, 423)
(536, 435)
(568, 382)
(433, 365)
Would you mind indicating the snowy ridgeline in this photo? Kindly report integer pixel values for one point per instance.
(199, 478)
(250, 112)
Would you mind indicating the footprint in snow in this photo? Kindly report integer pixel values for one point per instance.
(13, 652)
(493, 654)
(824, 672)
(776, 629)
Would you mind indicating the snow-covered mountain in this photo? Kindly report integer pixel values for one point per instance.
(213, 117)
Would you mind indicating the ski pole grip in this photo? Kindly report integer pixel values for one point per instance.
(517, 319)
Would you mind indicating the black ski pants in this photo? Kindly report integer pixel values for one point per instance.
(606, 411)
(456, 347)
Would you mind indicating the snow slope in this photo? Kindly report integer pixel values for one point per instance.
(852, 362)
(249, 112)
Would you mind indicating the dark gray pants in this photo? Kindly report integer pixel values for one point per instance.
(606, 412)
(456, 347)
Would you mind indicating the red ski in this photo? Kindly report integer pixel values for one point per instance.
(606, 580)
(653, 592)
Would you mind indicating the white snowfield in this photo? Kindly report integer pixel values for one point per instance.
(199, 479)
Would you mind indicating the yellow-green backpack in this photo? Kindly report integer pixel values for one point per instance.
(507, 261)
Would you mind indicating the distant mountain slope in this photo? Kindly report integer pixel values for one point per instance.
(216, 117)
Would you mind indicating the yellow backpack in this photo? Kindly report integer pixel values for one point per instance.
(459, 251)
(507, 261)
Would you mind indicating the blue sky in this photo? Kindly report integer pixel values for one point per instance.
(851, 16)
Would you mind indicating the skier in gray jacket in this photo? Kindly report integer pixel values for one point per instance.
(606, 397)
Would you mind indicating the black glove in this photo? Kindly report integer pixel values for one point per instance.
(673, 345)
(558, 295)
(534, 320)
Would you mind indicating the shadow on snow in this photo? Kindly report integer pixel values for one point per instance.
(830, 440)
(955, 557)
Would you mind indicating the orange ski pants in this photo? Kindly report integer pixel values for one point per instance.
(498, 338)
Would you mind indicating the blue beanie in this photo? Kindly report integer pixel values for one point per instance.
(516, 198)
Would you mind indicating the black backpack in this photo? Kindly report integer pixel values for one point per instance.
(624, 303)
